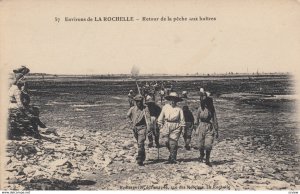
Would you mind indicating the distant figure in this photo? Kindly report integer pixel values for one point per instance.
(161, 94)
(203, 92)
(169, 90)
(152, 91)
(130, 98)
(154, 110)
(207, 126)
(189, 126)
(139, 116)
(184, 94)
(155, 86)
(145, 90)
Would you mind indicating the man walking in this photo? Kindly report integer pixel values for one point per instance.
(154, 110)
(140, 119)
(207, 126)
(171, 121)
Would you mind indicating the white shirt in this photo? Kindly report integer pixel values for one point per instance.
(171, 114)
(14, 97)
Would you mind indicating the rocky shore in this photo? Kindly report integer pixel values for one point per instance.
(94, 149)
(92, 160)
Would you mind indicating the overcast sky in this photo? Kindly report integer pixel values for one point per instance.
(253, 35)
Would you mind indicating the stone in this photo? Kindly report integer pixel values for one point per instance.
(27, 150)
(14, 180)
(202, 171)
(83, 168)
(153, 180)
(49, 146)
(184, 177)
(10, 168)
(79, 135)
(52, 138)
(96, 159)
(81, 148)
(29, 170)
(276, 185)
(269, 170)
(98, 150)
(51, 131)
(241, 181)
(113, 155)
(75, 176)
(247, 168)
(265, 181)
(48, 131)
(63, 172)
(107, 160)
(61, 162)
(9, 154)
(40, 153)
(38, 175)
(20, 170)
(118, 159)
(121, 153)
(289, 174)
(217, 182)
(128, 144)
(225, 170)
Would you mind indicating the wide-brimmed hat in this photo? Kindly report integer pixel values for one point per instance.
(24, 70)
(173, 96)
(138, 97)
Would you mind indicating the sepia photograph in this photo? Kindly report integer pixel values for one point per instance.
(150, 95)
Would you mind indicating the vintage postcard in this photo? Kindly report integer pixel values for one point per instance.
(150, 95)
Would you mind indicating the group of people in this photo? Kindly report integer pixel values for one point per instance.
(163, 126)
(167, 123)
(152, 89)
(23, 118)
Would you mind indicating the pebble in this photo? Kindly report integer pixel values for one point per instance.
(289, 174)
(60, 162)
(81, 148)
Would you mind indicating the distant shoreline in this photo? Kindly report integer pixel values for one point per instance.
(157, 76)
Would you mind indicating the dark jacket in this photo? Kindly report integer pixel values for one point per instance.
(154, 109)
(188, 116)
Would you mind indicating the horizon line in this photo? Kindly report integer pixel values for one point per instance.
(163, 74)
